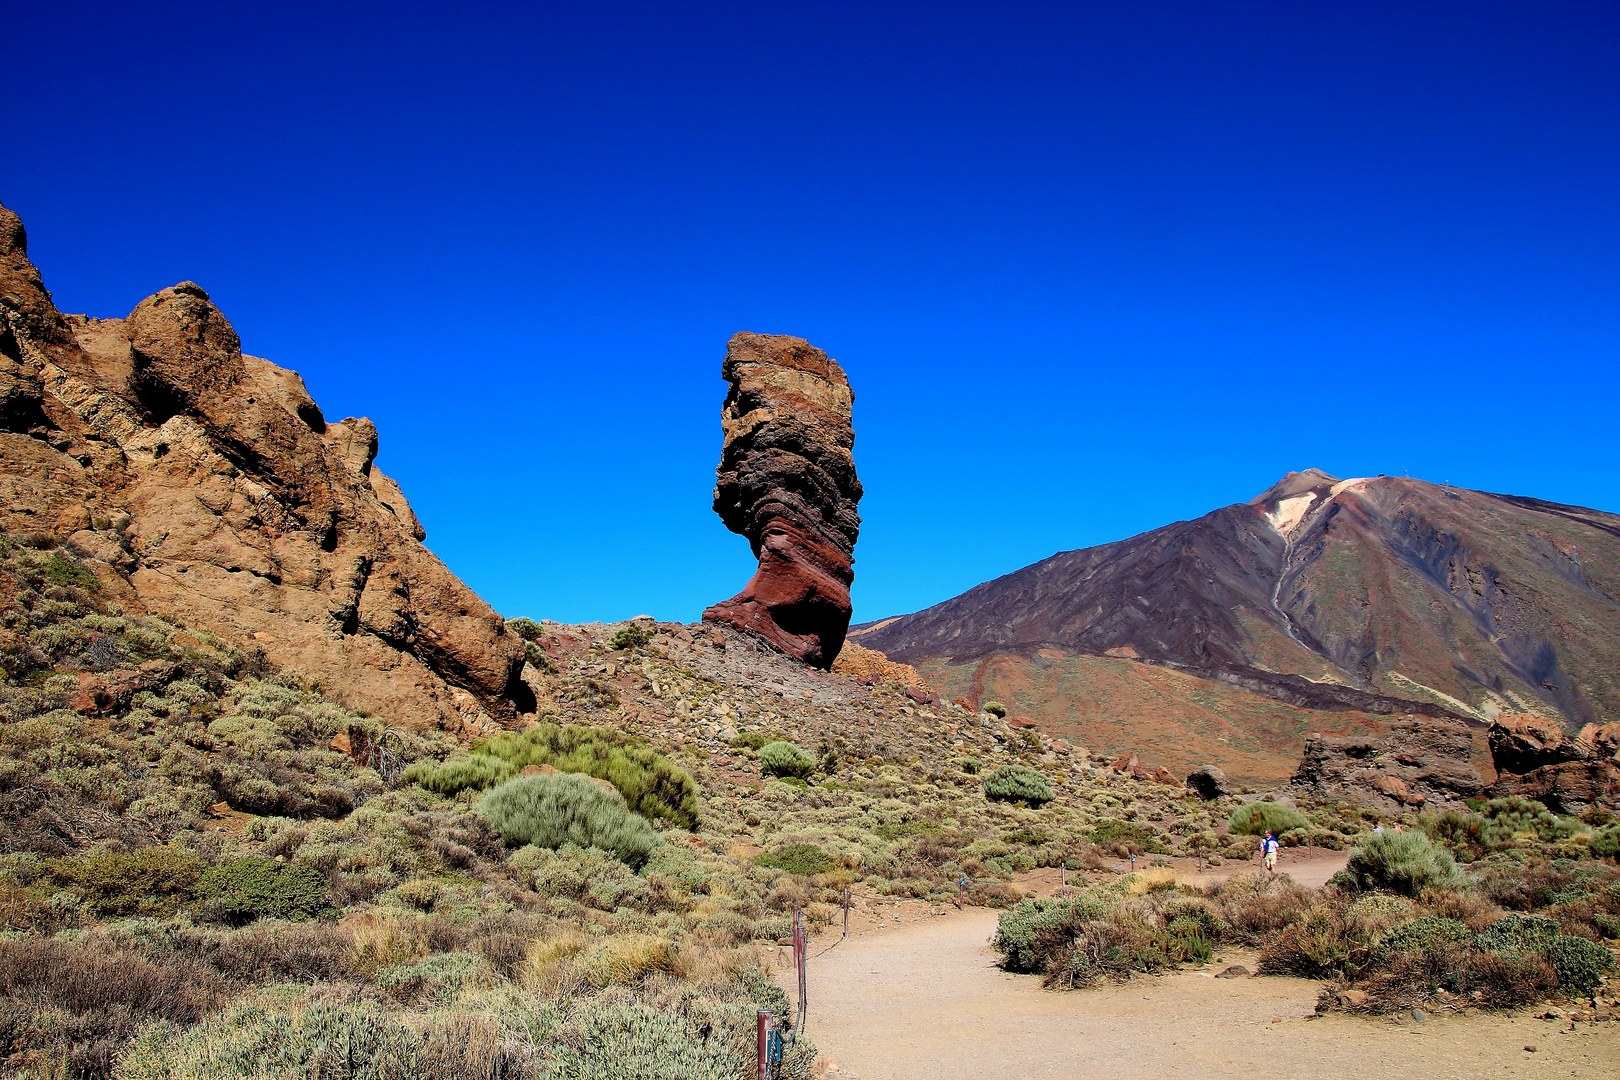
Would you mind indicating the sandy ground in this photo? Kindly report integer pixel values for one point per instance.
(923, 1000)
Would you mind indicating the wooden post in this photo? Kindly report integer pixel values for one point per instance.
(1063, 872)
(846, 911)
(762, 1042)
(799, 944)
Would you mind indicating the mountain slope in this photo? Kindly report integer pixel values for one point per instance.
(1377, 595)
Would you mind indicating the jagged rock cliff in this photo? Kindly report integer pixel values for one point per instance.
(787, 482)
(209, 488)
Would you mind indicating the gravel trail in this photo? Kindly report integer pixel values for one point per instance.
(925, 1001)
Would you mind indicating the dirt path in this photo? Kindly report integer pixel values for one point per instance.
(924, 1001)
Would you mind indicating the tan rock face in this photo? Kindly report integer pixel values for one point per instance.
(212, 482)
(787, 482)
(1422, 761)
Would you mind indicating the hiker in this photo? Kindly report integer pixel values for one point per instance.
(1378, 829)
(1269, 847)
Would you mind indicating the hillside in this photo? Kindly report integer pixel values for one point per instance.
(1337, 597)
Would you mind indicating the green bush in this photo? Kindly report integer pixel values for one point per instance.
(1606, 842)
(251, 888)
(1405, 863)
(1020, 929)
(806, 859)
(1421, 935)
(631, 636)
(1516, 816)
(525, 628)
(1520, 932)
(1258, 818)
(1111, 832)
(68, 572)
(995, 708)
(752, 740)
(146, 881)
(1580, 964)
(559, 808)
(970, 765)
(1016, 783)
(652, 785)
(785, 759)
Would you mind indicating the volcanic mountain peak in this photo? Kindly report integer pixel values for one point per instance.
(1380, 594)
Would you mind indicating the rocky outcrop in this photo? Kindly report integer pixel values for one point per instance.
(787, 482)
(1537, 759)
(1421, 763)
(208, 487)
(1521, 743)
(1208, 782)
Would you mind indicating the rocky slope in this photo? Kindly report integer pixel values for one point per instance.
(206, 485)
(787, 482)
(1379, 596)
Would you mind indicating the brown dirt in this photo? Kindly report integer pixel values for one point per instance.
(925, 1001)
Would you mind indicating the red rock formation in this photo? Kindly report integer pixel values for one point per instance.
(1537, 759)
(787, 482)
(205, 485)
(1420, 762)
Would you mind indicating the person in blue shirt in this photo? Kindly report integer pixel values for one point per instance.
(1269, 847)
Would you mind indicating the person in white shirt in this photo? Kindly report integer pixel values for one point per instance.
(1269, 847)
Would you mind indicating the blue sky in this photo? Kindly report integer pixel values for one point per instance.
(1091, 267)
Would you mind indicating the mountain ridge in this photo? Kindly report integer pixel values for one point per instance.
(1379, 595)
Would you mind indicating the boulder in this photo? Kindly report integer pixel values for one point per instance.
(1521, 743)
(1420, 761)
(787, 482)
(1208, 782)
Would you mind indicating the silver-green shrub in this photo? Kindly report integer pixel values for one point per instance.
(554, 809)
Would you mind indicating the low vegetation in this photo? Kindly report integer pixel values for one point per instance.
(210, 870)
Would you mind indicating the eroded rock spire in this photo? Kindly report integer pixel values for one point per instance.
(787, 482)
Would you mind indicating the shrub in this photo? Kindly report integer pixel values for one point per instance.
(251, 888)
(970, 766)
(631, 636)
(1020, 929)
(1112, 832)
(805, 859)
(652, 785)
(559, 808)
(995, 708)
(1580, 963)
(524, 627)
(753, 740)
(1421, 935)
(1606, 842)
(67, 572)
(1258, 818)
(784, 759)
(1017, 783)
(1517, 932)
(1405, 863)
(147, 881)
(1515, 816)
(1458, 830)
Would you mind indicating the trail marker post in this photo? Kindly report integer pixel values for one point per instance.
(1063, 873)
(799, 944)
(846, 911)
(762, 1041)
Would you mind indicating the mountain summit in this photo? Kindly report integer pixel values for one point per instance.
(1377, 594)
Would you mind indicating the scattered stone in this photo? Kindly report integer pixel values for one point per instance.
(1352, 999)
(1420, 1016)
(1236, 971)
